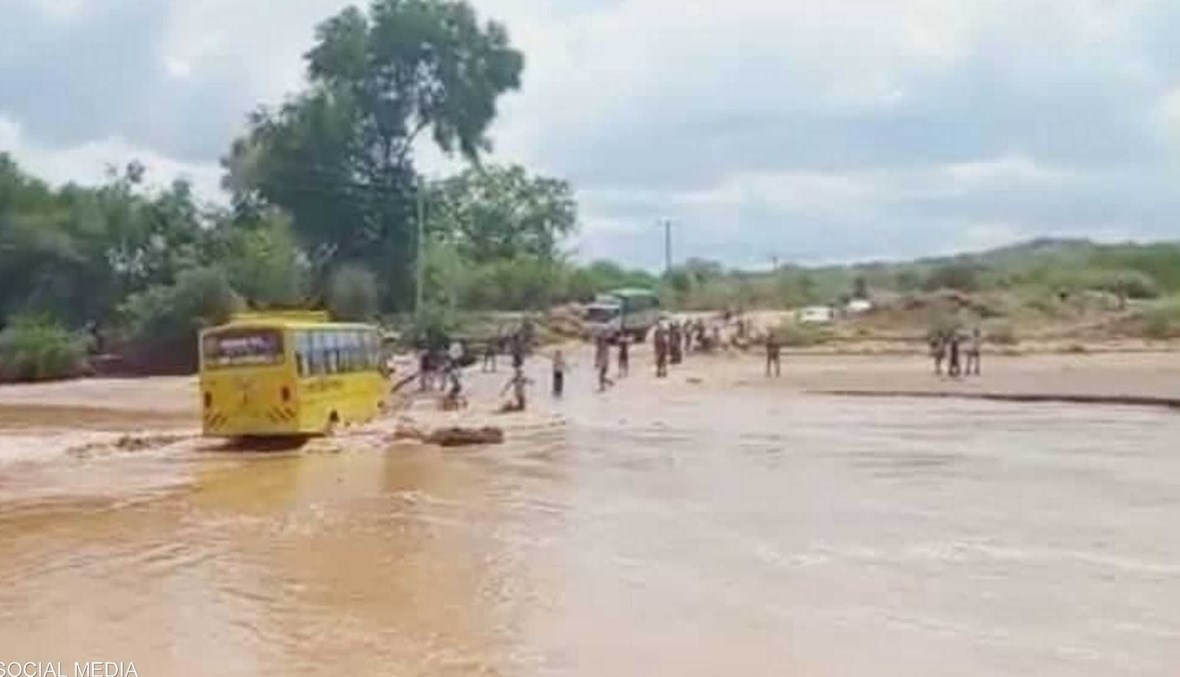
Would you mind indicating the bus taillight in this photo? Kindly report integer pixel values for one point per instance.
(208, 399)
(285, 393)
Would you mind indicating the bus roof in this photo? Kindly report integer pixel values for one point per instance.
(631, 291)
(281, 316)
(289, 319)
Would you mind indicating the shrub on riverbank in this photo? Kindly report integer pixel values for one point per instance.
(163, 322)
(1161, 320)
(793, 335)
(353, 294)
(32, 349)
(1003, 334)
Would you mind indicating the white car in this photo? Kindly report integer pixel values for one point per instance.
(858, 306)
(815, 315)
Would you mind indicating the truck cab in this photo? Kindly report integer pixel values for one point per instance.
(629, 313)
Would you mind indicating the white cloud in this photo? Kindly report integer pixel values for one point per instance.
(833, 129)
(88, 163)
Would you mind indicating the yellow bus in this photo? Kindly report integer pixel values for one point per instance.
(287, 373)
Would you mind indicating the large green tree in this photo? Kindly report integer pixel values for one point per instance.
(494, 213)
(339, 156)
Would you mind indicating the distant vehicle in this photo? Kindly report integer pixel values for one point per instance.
(289, 374)
(624, 312)
(815, 315)
(858, 306)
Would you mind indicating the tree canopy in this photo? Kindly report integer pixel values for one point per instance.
(339, 156)
(494, 212)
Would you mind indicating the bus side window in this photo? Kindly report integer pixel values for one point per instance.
(364, 352)
(347, 352)
(351, 342)
(302, 353)
(341, 351)
(331, 353)
(325, 352)
(315, 341)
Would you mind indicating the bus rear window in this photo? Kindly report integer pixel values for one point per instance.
(242, 348)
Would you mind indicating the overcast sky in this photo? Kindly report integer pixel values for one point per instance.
(814, 131)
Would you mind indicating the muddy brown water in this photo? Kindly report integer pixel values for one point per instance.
(662, 530)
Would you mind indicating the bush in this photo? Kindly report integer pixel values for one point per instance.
(263, 265)
(943, 322)
(1003, 334)
(794, 335)
(432, 327)
(33, 349)
(960, 276)
(1162, 320)
(352, 294)
(162, 323)
(522, 283)
(1134, 284)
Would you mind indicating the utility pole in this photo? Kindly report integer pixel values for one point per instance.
(420, 263)
(667, 245)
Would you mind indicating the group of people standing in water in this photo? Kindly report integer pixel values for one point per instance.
(670, 343)
(961, 352)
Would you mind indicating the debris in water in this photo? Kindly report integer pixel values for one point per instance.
(452, 436)
(462, 437)
(125, 443)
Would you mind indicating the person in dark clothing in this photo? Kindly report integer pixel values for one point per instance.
(558, 374)
(955, 366)
(661, 348)
(624, 355)
(675, 348)
(424, 369)
(773, 354)
(938, 346)
(518, 350)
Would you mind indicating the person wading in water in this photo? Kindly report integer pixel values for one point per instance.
(938, 351)
(489, 354)
(773, 354)
(558, 374)
(624, 354)
(974, 352)
(955, 367)
(675, 348)
(602, 362)
(518, 383)
(661, 348)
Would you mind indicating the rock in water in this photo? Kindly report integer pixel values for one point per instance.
(463, 437)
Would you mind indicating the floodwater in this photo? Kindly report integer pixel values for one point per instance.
(664, 529)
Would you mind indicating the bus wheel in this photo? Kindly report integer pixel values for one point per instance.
(333, 425)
